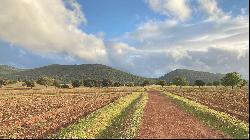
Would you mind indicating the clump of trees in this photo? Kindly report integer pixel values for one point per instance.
(199, 83)
(56, 83)
(117, 84)
(233, 79)
(180, 81)
(46, 81)
(161, 83)
(130, 84)
(145, 83)
(76, 83)
(29, 83)
(107, 83)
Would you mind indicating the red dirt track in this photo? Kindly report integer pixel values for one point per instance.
(163, 119)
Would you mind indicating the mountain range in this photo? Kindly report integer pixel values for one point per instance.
(68, 73)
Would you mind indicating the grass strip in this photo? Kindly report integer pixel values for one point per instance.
(94, 123)
(230, 125)
(125, 126)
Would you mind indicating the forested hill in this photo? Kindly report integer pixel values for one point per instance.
(71, 72)
(192, 75)
(5, 69)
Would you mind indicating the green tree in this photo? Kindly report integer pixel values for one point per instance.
(56, 83)
(145, 83)
(106, 83)
(76, 83)
(30, 83)
(161, 83)
(117, 84)
(243, 83)
(231, 79)
(180, 81)
(89, 83)
(46, 81)
(216, 83)
(199, 83)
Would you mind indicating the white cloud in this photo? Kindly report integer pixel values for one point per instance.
(49, 26)
(218, 46)
(212, 10)
(178, 9)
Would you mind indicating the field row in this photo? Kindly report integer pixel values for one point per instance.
(233, 102)
(120, 119)
(231, 126)
(36, 115)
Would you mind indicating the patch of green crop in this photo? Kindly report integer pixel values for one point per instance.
(98, 121)
(219, 120)
(125, 126)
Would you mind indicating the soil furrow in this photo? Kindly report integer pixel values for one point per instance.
(163, 119)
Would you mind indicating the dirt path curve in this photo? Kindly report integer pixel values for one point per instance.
(162, 119)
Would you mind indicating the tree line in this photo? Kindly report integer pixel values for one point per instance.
(232, 79)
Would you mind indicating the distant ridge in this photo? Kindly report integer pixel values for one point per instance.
(192, 75)
(68, 73)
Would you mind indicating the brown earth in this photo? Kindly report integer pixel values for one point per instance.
(163, 119)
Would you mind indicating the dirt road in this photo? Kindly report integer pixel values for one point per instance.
(163, 119)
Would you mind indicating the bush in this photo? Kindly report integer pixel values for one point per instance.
(117, 84)
(106, 83)
(76, 83)
(199, 83)
(30, 84)
(64, 86)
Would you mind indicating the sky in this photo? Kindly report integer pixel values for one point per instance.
(145, 37)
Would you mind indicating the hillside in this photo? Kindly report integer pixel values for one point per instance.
(71, 72)
(192, 75)
(5, 69)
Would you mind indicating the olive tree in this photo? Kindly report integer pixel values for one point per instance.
(199, 83)
(231, 79)
(161, 83)
(180, 81)
(76, 83)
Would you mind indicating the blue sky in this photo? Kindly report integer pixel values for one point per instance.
(144, 37)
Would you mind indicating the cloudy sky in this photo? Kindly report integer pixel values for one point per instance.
(144, 37)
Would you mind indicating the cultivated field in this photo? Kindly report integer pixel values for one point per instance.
(35, 113)
(234, 102)
(123, 112)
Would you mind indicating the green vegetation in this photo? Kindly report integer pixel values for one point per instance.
(232, 79)
(145, 83)
(219, 120)
(76, 83)
(243, 83)
(180, 81)
(69, 73)
(199, 83)
(161, 83)
(192, 75)
(2, 82)
(106, 83)
(30, 83)
(46, 81)
(127, 123)
(92, 125)
(216, 83)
